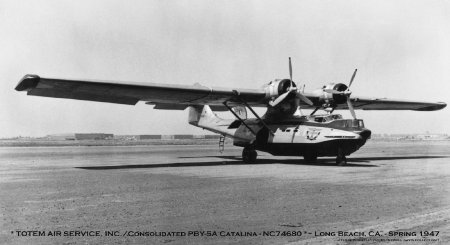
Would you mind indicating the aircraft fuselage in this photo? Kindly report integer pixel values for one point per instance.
(326, 135)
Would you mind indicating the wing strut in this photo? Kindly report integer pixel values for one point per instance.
(235, 92)
(312, 113)
(237, 116)
(332, 109)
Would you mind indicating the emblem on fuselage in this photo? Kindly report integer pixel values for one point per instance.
(312, 134)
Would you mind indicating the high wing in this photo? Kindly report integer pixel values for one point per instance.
(178, 97)
(163, 96)
(368, 103)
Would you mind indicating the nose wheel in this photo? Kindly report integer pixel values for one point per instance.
(249, 155)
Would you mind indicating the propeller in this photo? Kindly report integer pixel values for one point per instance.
(350, 107)
(299, 108)
(353, 77)
(349, 102)
(290, 72)
(291, 89)
(279, 98)
(347, 93)
(303, 97)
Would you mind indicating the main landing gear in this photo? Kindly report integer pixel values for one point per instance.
(310, 158)
(249, 155)
(341, 160)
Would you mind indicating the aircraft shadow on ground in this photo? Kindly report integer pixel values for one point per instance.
(234, 160)
(370, 159)
(299, 161)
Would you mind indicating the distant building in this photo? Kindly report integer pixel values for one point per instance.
(432, 136)
(183, 136)
(167, 137)
(94, 136)
(212, 136)
(60, 137)
(149, 137)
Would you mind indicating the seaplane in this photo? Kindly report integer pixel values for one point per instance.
(283, 130)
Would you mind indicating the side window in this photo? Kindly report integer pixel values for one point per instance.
(361, 124)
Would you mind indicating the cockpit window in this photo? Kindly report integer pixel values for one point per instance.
(357, 123)
(361, 123)
(336, 116)
(349, 123)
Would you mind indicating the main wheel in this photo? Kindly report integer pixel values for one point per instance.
(341, 160)
(249, 155)
(310, 158)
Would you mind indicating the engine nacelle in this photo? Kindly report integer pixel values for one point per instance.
(277, 88)
(333, 99)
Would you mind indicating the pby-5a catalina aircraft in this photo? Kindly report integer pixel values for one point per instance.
(280, 131)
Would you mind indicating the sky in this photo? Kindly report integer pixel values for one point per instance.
(401, 50)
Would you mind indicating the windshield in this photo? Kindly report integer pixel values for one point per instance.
(349, 123)
(357, 123)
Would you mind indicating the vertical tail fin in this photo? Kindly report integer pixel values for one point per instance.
(203, 117)
(198, 113)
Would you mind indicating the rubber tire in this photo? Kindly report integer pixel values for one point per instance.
(310, 158)
(249, 155)
(341, 161)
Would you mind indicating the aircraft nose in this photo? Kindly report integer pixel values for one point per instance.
(365, 134)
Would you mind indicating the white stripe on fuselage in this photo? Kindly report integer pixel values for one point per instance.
(309, 134)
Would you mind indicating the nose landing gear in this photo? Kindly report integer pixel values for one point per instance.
(249, 155)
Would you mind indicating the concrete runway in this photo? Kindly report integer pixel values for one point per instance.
(136, 192)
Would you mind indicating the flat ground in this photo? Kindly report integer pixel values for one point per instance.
(139, 190)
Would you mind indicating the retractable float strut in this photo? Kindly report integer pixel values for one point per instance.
(237, 116)
(312, 113)
(236, 93)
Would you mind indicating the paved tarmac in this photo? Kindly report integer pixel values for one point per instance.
(165, 194)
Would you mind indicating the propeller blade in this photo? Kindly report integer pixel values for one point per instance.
(300, 110)
(353, 77)
(350, 107)
(279, 98)
(290, 68)
(304, 98)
